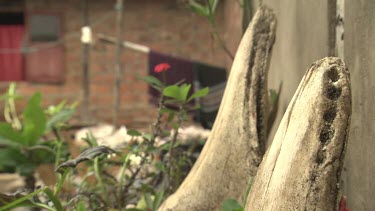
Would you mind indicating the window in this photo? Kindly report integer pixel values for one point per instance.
(45, 59)
(44, 28)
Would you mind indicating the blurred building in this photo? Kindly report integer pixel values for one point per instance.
(41, 49)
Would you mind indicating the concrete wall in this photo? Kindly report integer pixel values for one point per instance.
(359, 45)
(306, 33)
(301, 38)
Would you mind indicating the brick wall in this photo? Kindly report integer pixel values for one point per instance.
(163, 25)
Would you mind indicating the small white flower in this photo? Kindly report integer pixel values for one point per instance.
(135, 159)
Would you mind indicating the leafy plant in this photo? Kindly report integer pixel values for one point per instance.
(23, 148)
(207, 10)
(150, 202)
(174, 103)
(147, 170)
(10, 202)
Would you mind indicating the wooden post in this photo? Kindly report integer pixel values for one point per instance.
(85, 66)
(118, 63)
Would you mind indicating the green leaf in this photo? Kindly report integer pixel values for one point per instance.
(34, 120)
(26, 168)
(158, 199)
(12, 160)
(160, 166)
(20, 200)
(81, 206)
(184, 89)
(179, 93)
(134, 133)
(148, 199)
(42, 153)
(56, 109)
(170, 117)
(150, 149)
(248, 191)
(172, 91)
(154, 82)
(213, 5)
(55, 200)
(167, 110)
(184, 115)
(141, 205)
(199, 93)
(59, 118)
(175, 126)
(165, 133)
(9, 136)
(147, 136)
(9, 158)
(231, 205)
(165, 146)
(199, 8)
(90, 139)
(88, 154)
(273, 96)
(6, 199)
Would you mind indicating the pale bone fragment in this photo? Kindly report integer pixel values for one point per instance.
(302, 168)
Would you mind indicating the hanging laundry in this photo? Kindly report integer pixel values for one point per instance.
(216, 79)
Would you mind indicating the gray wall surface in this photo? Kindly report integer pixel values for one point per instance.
(301, 39)
(304, 35)
(359, 45)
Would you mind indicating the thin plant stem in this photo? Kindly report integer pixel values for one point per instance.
(221, 41)
(99, 178)
(135, 174)
(61, 182)
(122, 175)
(57, 134)
(58, 154)
(215, 33)
(46, 207)
(37, 147)
(10, 112)
(173, 141)
(7, 114)
(20, 200)
(156, 129)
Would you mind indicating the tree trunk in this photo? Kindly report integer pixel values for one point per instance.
(235, 147)
(302, 168)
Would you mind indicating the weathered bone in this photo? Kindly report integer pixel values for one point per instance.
(302, 168)
(235, 147)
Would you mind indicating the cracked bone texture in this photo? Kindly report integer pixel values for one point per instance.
(233, 150)
(302, 168)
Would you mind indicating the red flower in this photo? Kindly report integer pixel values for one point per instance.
(162, 67)
(343, 204)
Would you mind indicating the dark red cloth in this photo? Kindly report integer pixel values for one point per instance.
(11, 59)
(343, 204)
